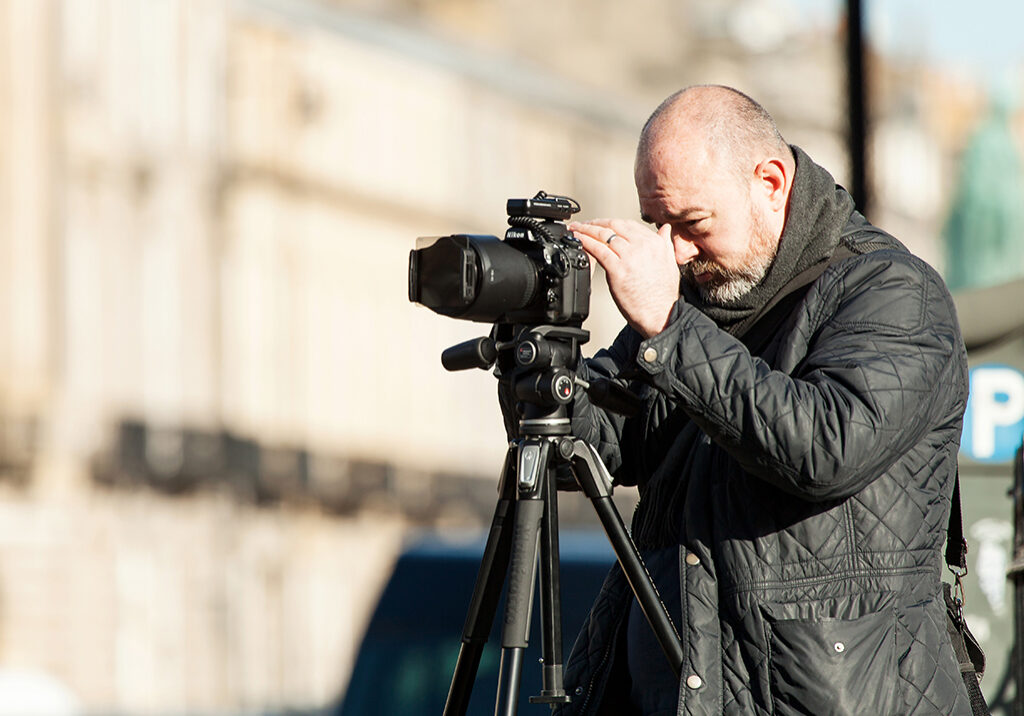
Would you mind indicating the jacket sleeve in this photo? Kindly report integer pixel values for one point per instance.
(884, 365)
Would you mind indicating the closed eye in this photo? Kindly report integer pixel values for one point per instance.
(695, 226)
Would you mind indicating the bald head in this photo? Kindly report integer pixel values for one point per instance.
(714, 123)
(712, 167)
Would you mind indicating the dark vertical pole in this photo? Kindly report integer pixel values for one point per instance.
(857, 104)
(1016, 575)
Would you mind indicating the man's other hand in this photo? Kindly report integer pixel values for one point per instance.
(640, 265)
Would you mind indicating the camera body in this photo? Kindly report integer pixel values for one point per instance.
(539, 273)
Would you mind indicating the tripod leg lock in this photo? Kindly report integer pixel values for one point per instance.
(532, 459)
(591, 473)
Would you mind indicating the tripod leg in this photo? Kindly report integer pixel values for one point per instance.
(486, 593)
(594, 480)
(522, 571)
(519, 602)
(511, 672)
(553, 691)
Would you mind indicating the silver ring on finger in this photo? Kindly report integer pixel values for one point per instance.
(609, 239)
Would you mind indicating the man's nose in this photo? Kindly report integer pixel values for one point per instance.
(686, 251)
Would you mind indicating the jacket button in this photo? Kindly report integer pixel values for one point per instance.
(650, 354)
(692, 559)
(694, 681)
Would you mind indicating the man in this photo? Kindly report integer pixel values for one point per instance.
(804, 387)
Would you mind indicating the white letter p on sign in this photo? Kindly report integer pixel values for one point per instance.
(997, 400)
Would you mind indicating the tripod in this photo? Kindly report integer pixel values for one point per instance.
(523, 537)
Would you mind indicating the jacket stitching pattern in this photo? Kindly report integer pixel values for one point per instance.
(850, 535)
(737, 589)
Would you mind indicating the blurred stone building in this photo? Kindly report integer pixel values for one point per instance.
(219, 414)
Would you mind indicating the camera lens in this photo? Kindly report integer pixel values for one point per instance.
(476, 278)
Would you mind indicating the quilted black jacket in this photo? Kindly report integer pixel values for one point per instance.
(812, 483)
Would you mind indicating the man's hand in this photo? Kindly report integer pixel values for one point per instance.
(641, 267)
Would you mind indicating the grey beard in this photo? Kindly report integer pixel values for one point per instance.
(729, 292)
(730, 285)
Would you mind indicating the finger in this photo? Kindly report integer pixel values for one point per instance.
(606, 223)
(595, 226)
(631, 231)
(601, 251)
(592, 229)
(608, 236)
(600, 232)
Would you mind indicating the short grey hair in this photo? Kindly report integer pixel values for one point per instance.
(737, 128)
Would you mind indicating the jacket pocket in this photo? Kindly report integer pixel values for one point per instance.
(833, 667)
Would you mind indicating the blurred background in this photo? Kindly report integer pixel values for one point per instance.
(221, 421)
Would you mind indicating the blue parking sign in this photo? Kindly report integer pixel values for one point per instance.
(994, 421)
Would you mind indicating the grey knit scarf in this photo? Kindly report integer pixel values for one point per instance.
(818, 211)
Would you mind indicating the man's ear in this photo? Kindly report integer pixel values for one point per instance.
(772, 181)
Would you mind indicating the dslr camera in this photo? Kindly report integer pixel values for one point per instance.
(539, 274)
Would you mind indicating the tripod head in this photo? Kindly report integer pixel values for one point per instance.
(539, 364)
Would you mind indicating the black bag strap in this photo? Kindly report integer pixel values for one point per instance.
(956, 544)
(967, 650)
